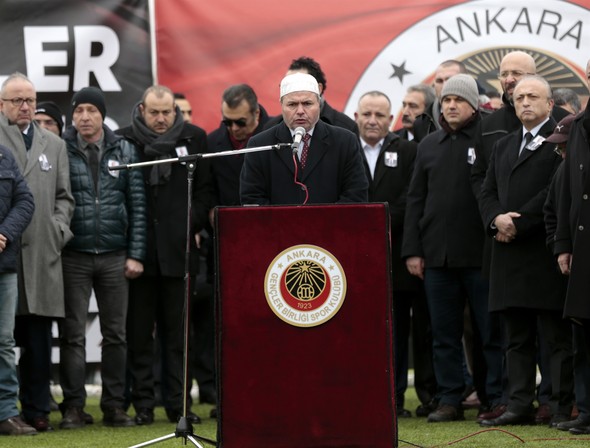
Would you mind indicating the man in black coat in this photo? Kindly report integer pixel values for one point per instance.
(525, 286)
(159, 132)
(243, 117)
(327, 166)
(443, 241)
(571, 244)
(389, 162)
(513, 67)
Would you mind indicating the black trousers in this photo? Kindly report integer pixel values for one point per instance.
(521, 334)
(156, 300)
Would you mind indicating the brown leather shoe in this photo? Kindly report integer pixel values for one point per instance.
(15, 426)
(446, 413)
(41, 424)
(543, 414)
(493, 413)
(72, 418)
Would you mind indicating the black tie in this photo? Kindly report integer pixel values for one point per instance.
(28, 140)
(527, 139)
(93, 163)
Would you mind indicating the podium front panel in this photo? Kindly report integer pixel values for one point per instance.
(304, 327)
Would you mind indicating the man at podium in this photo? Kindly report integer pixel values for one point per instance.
(325, 167)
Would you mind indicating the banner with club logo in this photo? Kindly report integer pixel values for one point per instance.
(203, 47)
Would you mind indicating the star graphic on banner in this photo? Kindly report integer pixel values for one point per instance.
(399, 71)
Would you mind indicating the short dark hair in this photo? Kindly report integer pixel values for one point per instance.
(179, 96)
(233, 96)
(312, 67)
(565, 96)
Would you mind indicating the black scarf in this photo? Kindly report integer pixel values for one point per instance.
(157, 146)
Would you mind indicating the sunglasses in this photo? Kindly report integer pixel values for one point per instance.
(240, 122)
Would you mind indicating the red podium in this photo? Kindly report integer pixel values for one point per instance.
(304, 327)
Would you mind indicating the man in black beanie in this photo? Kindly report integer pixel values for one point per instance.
(108, 249)
(48, 115)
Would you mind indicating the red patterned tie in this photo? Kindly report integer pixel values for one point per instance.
(305, 150)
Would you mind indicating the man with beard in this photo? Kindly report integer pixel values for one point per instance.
(157, 297)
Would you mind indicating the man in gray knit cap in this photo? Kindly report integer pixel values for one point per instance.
(443, 243)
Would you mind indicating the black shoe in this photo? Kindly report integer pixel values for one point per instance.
(88, 419)
(424, 410)
(559, 418)
(403, 413)
(72, 418)
(213, 413)
(174, 416)
(580, 430)
(510, 418)
(579, 422)
(446, 413)
(144, 416)
(117, 418)
(15, 426)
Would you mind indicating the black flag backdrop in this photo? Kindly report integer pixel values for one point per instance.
(63, 46)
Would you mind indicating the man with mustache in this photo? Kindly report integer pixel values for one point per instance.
(418, 100)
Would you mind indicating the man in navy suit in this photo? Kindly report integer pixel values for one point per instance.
(329, 170)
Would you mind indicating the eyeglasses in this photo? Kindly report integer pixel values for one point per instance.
(18, 102)
(240, 122)
(513, 73)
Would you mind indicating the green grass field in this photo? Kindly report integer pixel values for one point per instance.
(413, 432)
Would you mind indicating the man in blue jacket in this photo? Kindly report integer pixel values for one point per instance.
(16, 211)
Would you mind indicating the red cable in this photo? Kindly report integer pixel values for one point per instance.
(302, 185)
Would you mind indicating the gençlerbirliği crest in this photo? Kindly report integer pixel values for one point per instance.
(305, 285)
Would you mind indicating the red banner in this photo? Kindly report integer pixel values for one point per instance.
(203, 47)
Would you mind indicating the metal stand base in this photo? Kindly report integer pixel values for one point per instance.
(184, 429)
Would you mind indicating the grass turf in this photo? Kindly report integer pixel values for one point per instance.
(413, 432)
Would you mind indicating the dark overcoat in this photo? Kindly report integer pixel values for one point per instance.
(523, 272)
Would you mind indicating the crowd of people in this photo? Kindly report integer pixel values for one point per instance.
(487, 234)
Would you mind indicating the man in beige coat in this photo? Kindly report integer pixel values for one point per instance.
(43, 160)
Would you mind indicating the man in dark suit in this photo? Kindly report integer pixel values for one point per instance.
(327, 166)
(443, 241)
(389, 162)
(525, 286)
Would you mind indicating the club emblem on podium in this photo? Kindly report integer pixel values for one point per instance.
(305, 285)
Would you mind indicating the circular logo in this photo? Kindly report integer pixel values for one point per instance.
(305, 285)
(479, 34)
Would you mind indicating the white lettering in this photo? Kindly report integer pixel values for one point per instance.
(38, 59)
(100, 65)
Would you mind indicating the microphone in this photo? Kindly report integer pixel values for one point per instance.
(299, 133)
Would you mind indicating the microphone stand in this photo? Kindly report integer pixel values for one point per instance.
(184, 428)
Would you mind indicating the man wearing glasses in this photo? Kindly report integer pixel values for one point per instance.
(43, 160)
(242, 117)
